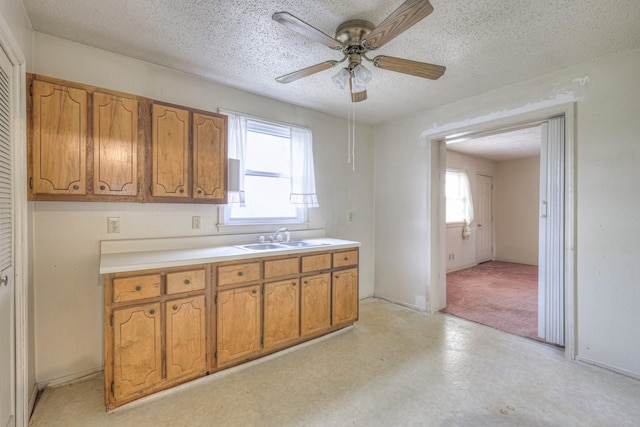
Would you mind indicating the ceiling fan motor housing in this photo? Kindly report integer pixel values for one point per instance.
(351, 34)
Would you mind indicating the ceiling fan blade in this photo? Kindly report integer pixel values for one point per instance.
(406, 66)
(301, 27)
(409, 13)
(288, 78)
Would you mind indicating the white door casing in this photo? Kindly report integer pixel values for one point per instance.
(7, 305)
(484, 218)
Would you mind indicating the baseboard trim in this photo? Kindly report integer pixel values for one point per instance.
(404, 304)
(68, 379)
(32, 400)
(517, 261)
(462, 267)
(608, 368)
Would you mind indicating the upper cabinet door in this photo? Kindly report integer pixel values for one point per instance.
(209, 156)
(115, 145)
(59, 139)
(170, 147)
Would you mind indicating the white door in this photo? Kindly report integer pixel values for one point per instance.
(484, 219)
(7, 305)
(551, 246)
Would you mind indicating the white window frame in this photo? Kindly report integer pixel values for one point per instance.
(461, 221)
(299, 222)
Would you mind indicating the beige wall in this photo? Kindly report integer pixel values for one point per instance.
(516, 192)
(607, 206)
(464, 251)
(68, 290)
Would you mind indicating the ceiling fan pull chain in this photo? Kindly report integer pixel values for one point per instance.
(353, 138)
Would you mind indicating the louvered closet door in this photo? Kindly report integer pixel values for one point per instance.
(7, 378)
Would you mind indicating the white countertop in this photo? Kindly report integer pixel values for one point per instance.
(145, 260)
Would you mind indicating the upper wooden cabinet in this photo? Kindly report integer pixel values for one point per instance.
(189, 154)
(59, 139)
(93, 144)
(115, 145)
(170, 148)
(209, 156)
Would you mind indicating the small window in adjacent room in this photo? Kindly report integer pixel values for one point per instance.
(277, 182)
(459, 204)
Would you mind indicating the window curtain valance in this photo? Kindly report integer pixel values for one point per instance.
(237, 147)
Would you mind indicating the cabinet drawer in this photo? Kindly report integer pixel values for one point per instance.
(281, 267)
(340, 259)
(238, 273)
(316, 262)
(185, 281)
(134, 288)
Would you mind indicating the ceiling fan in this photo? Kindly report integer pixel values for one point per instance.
(354, 38)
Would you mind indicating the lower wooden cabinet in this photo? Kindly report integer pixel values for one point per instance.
(281, 313)
(345, 296)
(239, 323)
(186, 348)
(156, 331)
(315, 305)
(137, 349)
(161, 331)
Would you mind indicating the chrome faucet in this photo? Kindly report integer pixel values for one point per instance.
(276, 237)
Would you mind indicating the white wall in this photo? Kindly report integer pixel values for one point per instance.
(67, 287)
(464, 251)
(516, 191)
(607, 201)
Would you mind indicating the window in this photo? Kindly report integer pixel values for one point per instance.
(276, 172)
(458, 194)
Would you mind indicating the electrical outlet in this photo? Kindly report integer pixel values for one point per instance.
(195, 223)
(113, 224)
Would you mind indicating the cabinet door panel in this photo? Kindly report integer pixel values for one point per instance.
(315, 303)
(281, 312)
(170, 145)
(239, 323)
(209, 156)
(345, 296)
(115, 145)
(186, 336)
(59, 139)
(137, 349)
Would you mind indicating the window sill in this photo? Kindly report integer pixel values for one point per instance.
(455, 224)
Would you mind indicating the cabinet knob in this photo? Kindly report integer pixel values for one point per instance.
(254, 291)
(76, 187)
(102, 187)
(187, 281)
(293, 284)
(175, 307)
(199, 191)
(346, 258)
(182, 190)
(152, 312)
(138, 288)
(240, 273)
(306, 282)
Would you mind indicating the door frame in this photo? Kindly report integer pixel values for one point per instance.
(24, 398)
(436, 153)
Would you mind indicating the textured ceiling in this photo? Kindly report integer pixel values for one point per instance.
(485, 44)
(502, 146)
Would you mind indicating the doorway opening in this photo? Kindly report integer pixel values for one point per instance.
(492, 265)
(439, 254)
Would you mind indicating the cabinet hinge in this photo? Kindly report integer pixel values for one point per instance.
(31, 89)
(31, 182)
(151, 110)
(215, 300)
(139, 109)
(261, 340)
(215, 354)
(206, 357)
(113, 387)
(111, 320)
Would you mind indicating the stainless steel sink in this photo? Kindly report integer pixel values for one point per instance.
(262, 246)
(281, 245)
(303, 244)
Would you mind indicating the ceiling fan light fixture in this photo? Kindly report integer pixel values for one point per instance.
(341, 78)
(361, 75)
